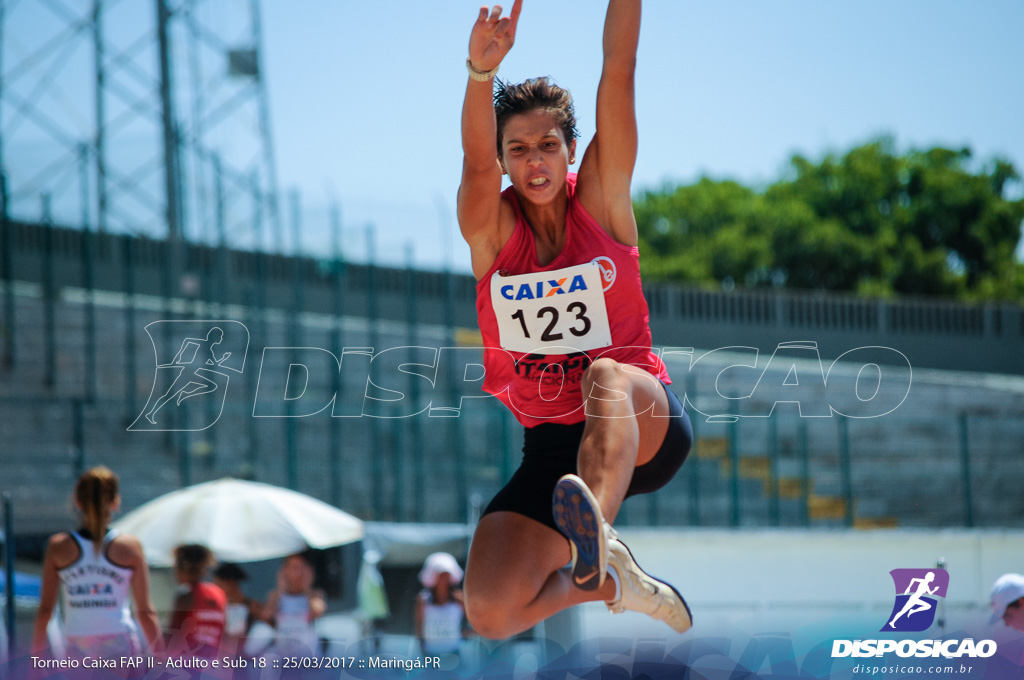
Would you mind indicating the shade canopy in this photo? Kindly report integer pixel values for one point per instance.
(239, 521)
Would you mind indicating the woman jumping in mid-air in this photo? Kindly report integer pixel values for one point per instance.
(565, 324)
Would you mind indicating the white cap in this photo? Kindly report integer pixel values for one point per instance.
(437, 564)
(1007, 589)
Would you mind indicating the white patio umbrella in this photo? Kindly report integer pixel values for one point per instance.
(239, 521)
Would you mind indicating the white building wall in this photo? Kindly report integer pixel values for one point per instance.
(782, 580)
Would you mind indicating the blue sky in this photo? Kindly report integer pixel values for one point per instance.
(366, 96)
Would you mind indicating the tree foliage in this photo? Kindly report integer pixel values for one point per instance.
(871, 221)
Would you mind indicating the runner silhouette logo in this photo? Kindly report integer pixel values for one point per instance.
(194, 363)
(916, 593)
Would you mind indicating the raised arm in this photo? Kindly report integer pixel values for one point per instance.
(479, 202)
(268, 611)
(418, 617)
(607, 167)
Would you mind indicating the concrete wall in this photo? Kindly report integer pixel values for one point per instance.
(793, 579)
(905, 467)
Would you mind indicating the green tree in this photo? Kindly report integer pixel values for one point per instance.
(871, 221)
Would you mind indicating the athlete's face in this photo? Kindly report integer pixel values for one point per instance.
(297, 574)
(1014, 615)
(535, 155)
(184, 576)
(230, 588)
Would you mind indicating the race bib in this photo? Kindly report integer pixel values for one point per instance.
(292, 625)
(237, 619)
(557, 312)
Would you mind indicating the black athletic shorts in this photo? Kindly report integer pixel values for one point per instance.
(550, 451)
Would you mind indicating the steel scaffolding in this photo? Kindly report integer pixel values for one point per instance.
(143, 118)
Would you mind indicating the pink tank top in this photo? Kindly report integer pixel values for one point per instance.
(542, 326)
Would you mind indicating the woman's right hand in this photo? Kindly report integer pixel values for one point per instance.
(492, 36)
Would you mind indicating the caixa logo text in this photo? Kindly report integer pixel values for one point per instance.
(542, 289)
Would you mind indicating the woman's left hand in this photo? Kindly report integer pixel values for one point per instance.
(492, 37)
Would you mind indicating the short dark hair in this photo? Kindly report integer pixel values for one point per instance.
(96, 492)
(535, 93)
(229, 571)
(304, 556)
(192, 559)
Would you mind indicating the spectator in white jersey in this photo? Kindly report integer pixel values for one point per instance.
(96, 569)
(440, 612)
(293, 607)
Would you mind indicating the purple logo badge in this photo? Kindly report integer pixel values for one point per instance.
(916, 590)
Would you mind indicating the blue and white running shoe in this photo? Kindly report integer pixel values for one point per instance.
(578, 516)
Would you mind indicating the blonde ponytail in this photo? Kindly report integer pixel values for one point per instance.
(96, 492)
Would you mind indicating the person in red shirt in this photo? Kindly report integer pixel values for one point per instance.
(567, 341)
(200, 613)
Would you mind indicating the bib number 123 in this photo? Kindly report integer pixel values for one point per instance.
(556, 312)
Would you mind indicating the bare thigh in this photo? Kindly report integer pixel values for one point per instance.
(512, 560)
(620, 393)
(512, 557)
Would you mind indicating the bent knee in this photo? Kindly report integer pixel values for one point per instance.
(605, 373)
(487, 619)
(492, 615)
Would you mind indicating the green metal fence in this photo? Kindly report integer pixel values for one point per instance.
(77, 368)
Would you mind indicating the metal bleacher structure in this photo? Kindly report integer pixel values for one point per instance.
(172, 135)
(78, 368)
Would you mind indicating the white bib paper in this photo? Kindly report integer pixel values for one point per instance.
(556, 312)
